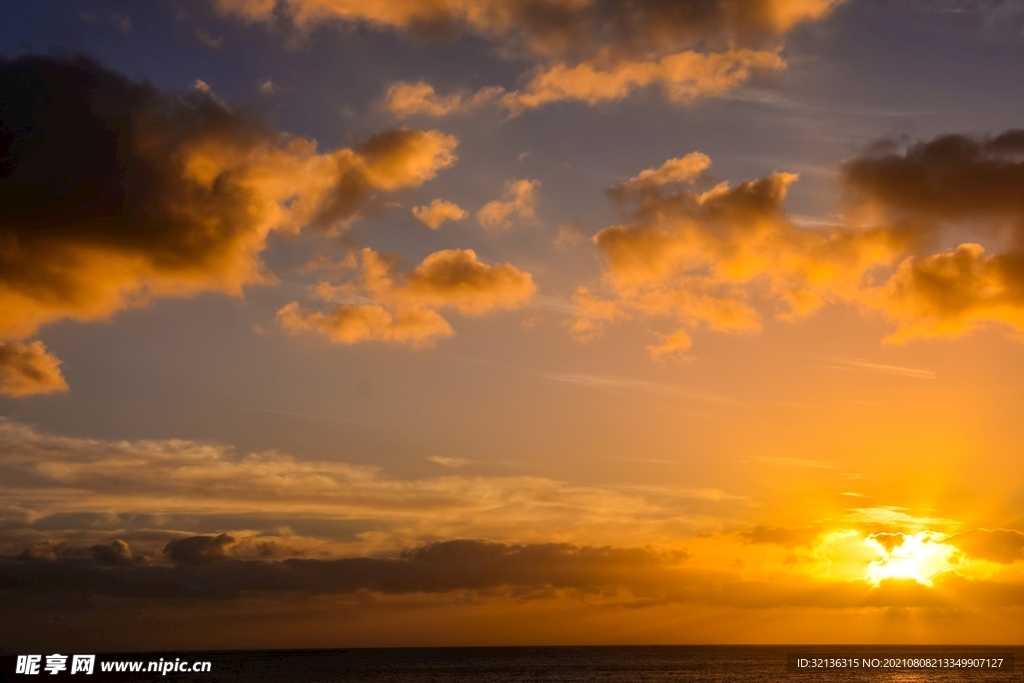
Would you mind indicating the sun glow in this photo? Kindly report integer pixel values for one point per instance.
(917, 556)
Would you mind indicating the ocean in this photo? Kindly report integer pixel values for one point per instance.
(655, 664)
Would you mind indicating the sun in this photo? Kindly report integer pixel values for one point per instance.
(917, 556)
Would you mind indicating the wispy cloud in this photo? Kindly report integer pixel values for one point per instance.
(898, 370)
(892, 515)
(144, 489)
(448, 462)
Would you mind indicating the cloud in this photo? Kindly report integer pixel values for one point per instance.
(953, 293)
(591, 314)
(699, 257)
(898, 370)
(403, 308)
(115, 552)
(413, 99)
(684, 77)
(28, 369)
(474, 569)
(167, 524)
(87, 492)
(114, 192)
(552, 27)
(951, 178)
(672, 345)
(517, 203)
(1004, 546)
(199, 549)
(447, 461)
(704, 258)
(455, 277)
(205, 569)
(585, 50)
(685, 169)
(354, 323)
(438, 212)
(569, 234)
(949, 187)
(786, 537)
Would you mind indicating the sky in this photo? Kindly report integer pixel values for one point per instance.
(328, 323)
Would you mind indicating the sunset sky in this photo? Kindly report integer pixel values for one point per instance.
(444, 322)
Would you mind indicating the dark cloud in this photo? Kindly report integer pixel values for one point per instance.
(113, 192)
(950, 178)
(203, 567)
(446, 570)
(197, 549)
(115, 552)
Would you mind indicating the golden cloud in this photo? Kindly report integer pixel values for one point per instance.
(27, 369)
(517, 203)
(1004, 546)
(456, 278)
(702, 258)
(353, 323)
(684, 77)
(403, 308)
(588, 50)
(438, 212)
(698, 257)
(685, 169)
(552, 27)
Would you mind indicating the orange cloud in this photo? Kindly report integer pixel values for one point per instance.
(412, 99)
(952, 187)
(952, 293)
(1004, 546)
(703, 257)
(587, 50)
(672, 345)
(27, 369)
(403, 308)
(699, 256)
(456, 278)
(684, 77)
(176, 484)
(160, 194)
(517, 203)
(438, 212)
(552, 27)
(353, 323)
(685, 169)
